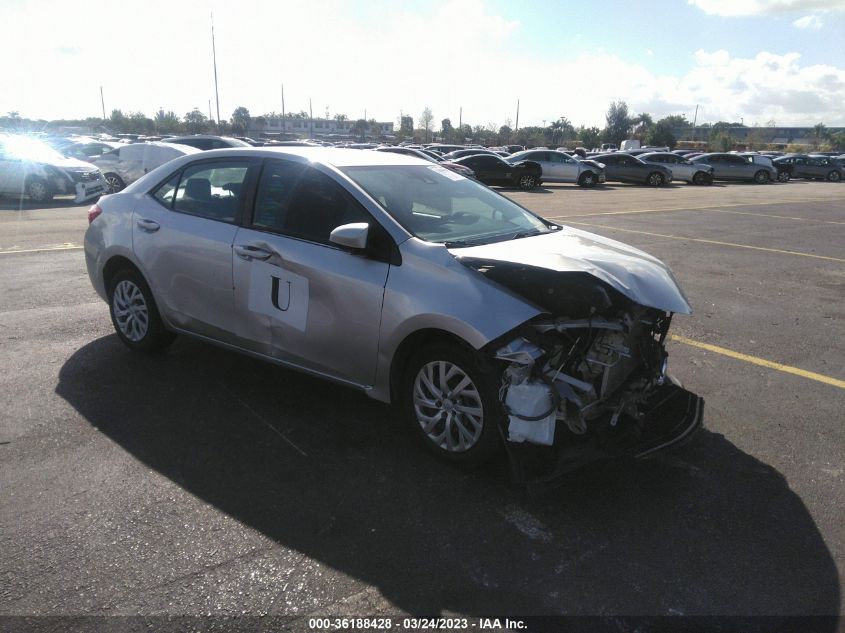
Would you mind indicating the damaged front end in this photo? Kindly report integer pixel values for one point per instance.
(575, 390)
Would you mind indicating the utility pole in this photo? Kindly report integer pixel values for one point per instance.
(311, 117)
(516, 128)
(103, 103)
(694, 121)
(210, 118)
(214, 57)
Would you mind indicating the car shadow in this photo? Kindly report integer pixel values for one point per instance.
(708, 529)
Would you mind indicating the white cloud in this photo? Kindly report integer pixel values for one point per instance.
(452, 54)
(735, 8)
(810, 22)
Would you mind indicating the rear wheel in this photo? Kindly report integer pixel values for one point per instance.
(114, 182)
(761, 177)
(587, 179)
(655, 179)
(834, 176)
(134, 313)
(527, 182)
(452, 404)
(39, 190)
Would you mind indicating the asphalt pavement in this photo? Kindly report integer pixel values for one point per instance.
(201, 481)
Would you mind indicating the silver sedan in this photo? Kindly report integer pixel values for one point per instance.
(487, 324)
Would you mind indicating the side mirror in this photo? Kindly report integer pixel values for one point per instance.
(351, 235)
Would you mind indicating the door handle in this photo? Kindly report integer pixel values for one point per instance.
(244, 251)
(150, 226)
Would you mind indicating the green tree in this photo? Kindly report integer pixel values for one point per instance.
(618, 123)
(195, 121)
(837, 140)
(589, 136)
(117, 121)
(240, 120)
(446, 130)
(138, 123)
(820, 132)
(661, 134)
(406, 125)
(721, 140)
(166, 122)
(360, 128)
(505, 134)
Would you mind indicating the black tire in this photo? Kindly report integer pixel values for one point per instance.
(39, 190)
(834, 176)
(699, 178)
(587, 179)
(416, 389)
(134, 314)
(527, 182)
(655, 179)
(114, 183)
(783, 176)
(762, 177)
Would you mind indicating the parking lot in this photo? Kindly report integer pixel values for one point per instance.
(207, 482)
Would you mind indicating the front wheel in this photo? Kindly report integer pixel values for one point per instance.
(783, 176)
(452, 404)
(655, 179)
(134, 313)
(761, 177)
(39, 190)
(114, 183)
(701, 178)
(587, 179)
(834, 176)
(527, 182)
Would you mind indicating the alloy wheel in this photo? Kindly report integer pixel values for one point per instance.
(448, 406)
(130, 311)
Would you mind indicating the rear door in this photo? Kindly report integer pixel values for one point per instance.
(565, 168)
(298, 297)
(182, 236)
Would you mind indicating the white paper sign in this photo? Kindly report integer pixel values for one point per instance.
(278, 294)
(446, 172)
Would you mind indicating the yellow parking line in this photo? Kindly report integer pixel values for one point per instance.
(717, 242)
(704, 208)
(63, 247)
(779, 217)
(760, 361)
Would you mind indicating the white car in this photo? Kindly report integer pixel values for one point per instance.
(127, 163)
(28, 166)
(681, 168)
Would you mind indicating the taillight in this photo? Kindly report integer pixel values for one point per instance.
(93, 212)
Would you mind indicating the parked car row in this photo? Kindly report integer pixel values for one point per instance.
(114, 164)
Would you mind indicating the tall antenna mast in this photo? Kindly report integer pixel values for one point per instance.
(214, 56)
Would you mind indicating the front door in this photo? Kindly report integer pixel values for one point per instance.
(182, 235)
(298, 297)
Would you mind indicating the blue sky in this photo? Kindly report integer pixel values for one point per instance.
(755, 60)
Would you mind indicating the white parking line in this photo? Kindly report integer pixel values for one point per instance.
(717, 242)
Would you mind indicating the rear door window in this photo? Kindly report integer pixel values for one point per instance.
(212, 190)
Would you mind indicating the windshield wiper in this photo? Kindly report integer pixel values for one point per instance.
(521, 234)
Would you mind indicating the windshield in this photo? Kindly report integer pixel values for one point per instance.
(30, 150)
(438, 205)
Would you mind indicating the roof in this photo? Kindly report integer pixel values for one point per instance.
(335, 156)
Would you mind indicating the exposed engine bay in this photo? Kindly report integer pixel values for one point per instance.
(590, 384)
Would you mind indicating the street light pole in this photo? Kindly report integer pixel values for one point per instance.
(214, 57)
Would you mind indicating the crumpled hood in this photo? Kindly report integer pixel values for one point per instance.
(637, 275)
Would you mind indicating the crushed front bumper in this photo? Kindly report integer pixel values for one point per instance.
(671, 417)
